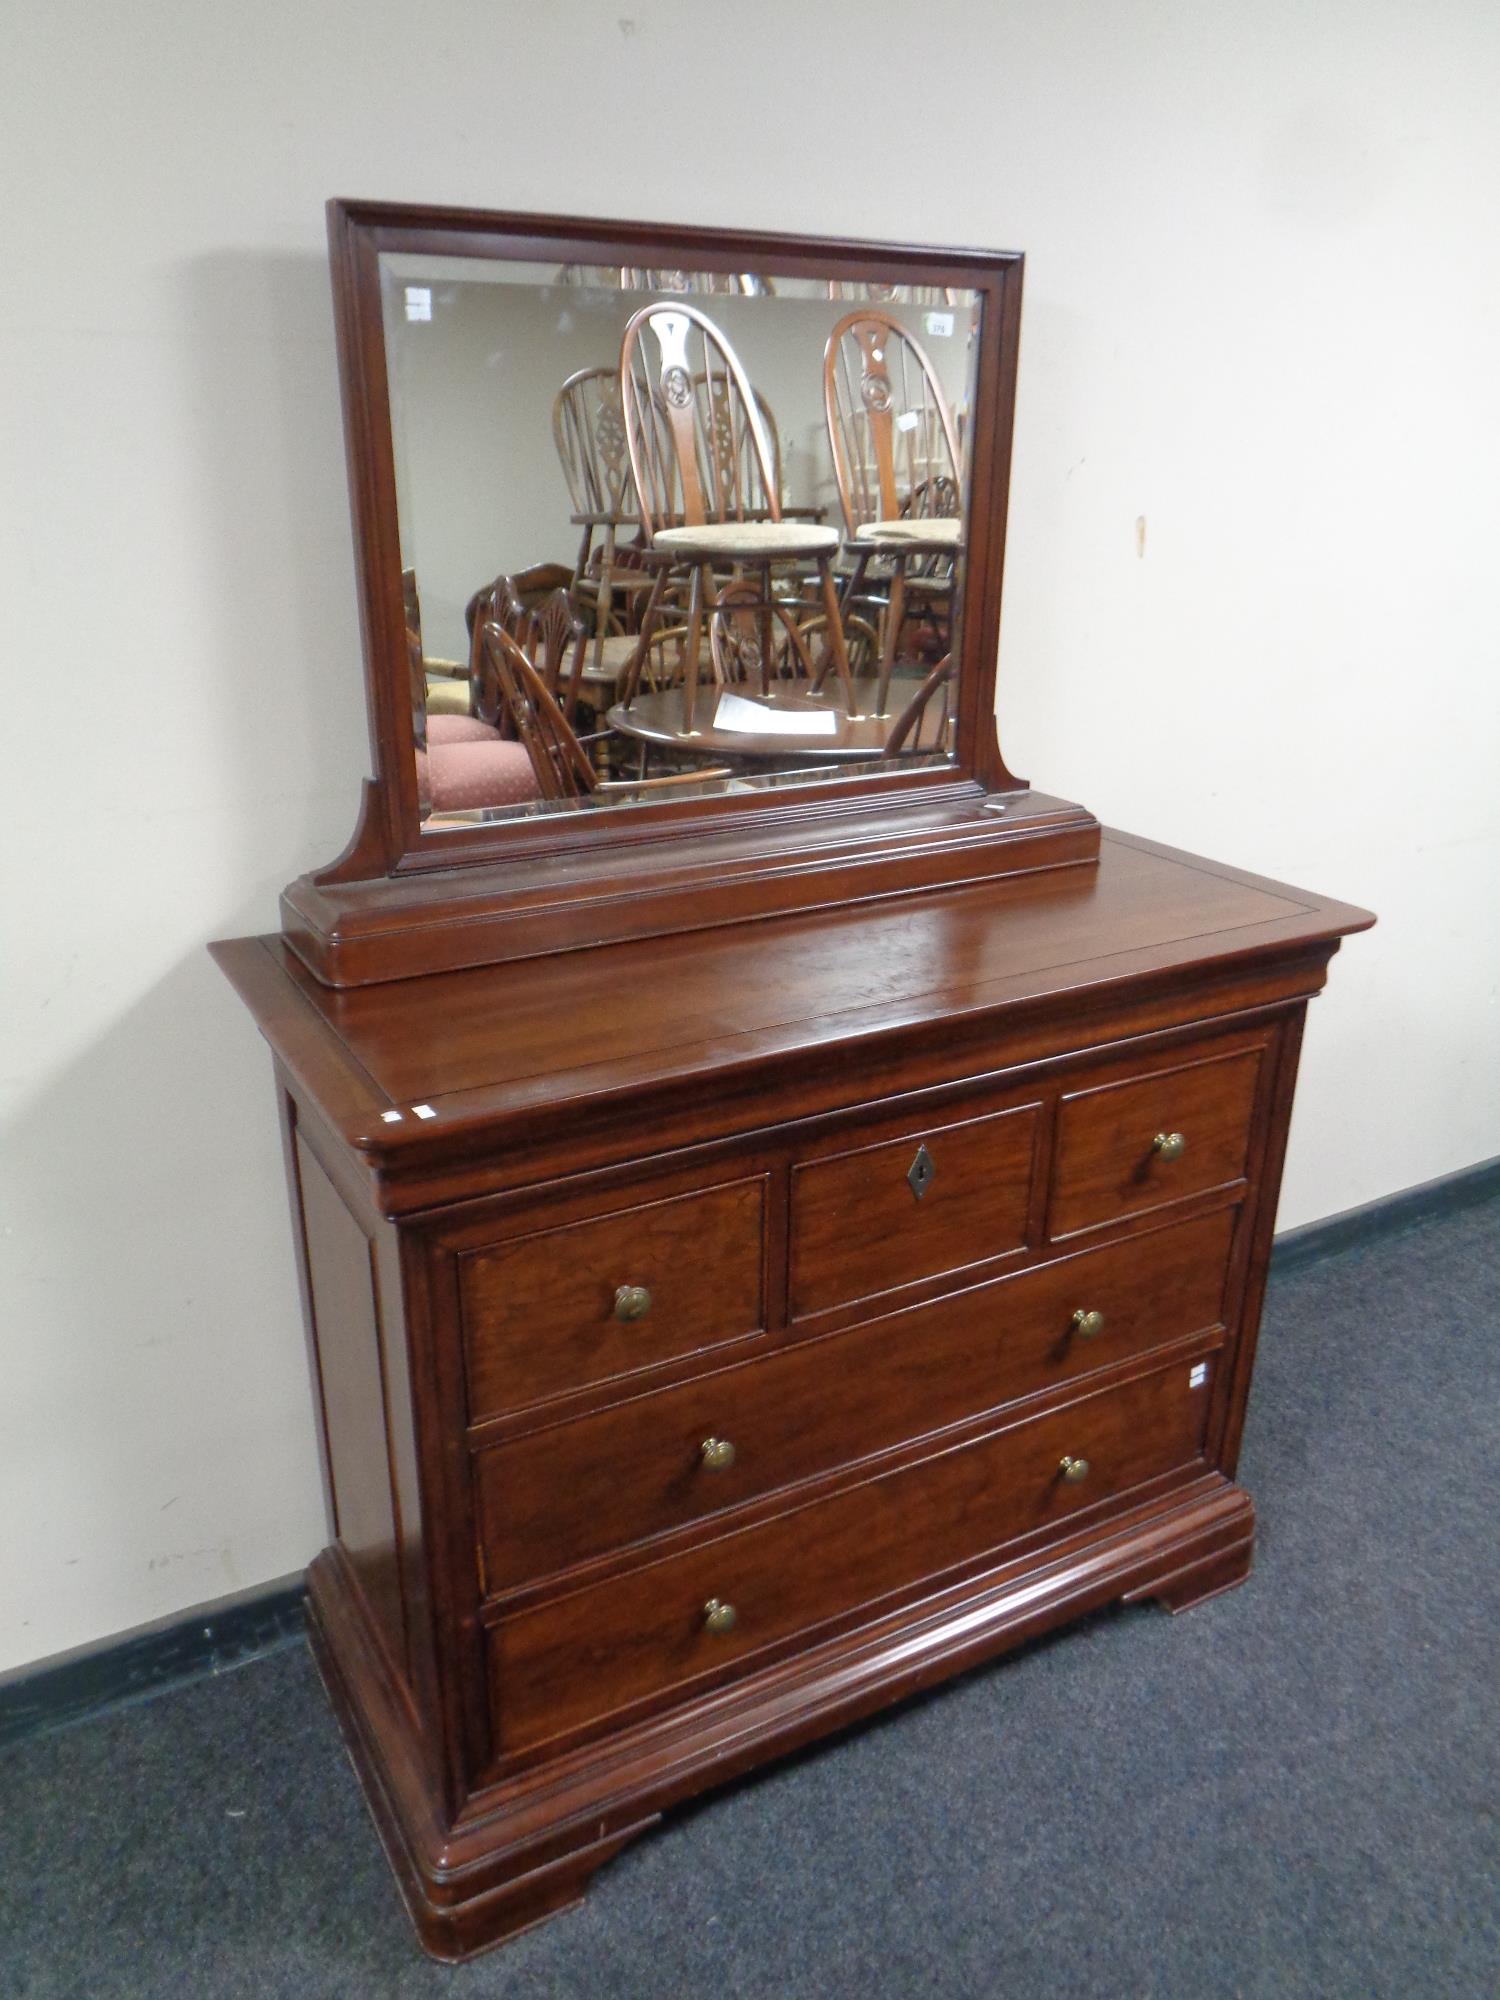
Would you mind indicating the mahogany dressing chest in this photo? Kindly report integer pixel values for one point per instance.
(771, 1241)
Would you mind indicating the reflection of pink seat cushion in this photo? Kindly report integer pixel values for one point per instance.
(461, 776)
(459, 729)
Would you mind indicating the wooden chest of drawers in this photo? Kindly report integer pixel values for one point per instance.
(838, 1327)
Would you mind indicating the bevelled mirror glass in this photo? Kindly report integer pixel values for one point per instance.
(672, 531)
(699, 528)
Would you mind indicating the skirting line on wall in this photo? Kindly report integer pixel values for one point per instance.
(218, 1637)
(1386, 1217)
(212, 1640)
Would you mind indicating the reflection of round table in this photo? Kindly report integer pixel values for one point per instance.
(657, 719)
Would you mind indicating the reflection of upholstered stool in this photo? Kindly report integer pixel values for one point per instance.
(470, 765)
(748, 541)
(447, 697)
(747, 544)
(936, 536)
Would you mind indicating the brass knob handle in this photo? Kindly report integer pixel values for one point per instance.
(1074, 1469)
(1088, 1325)
(1169, 1145)
(719, 1617)
(632, 1302)
(717, 1454)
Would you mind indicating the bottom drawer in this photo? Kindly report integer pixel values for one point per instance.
(573, 1662)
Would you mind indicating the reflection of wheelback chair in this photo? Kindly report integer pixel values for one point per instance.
(899, 470)
(531, 713)
(706, 486)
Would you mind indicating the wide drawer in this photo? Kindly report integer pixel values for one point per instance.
(544, 1313)
(1145, 1140)
(932, 1200)
(569, 1664)
(560, 1496)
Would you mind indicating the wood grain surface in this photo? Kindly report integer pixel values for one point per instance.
(556, 1497)
(539, 1311)
(574, 1662)
(859, 1227)
(1106, 1164)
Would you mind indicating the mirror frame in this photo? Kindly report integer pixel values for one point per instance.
(359, 232)
(780, 833)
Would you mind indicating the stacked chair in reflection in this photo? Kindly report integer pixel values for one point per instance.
(492, 756)
(528, 703)
(709, 505)
(608, 583)
(464, 764)
(898, 466)
(611, 580)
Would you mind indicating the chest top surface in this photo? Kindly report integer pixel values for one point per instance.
(481, 1046)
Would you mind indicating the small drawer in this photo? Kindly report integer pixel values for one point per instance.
(705, 1615)
(1147, 1140)
(560, 1496)
(566, 1307)
(934, 1200)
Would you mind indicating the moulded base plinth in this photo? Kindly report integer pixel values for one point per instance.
(524, 1849)
(1196, 1582)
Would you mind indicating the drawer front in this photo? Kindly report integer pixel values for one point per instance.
(541, 1313)
(560, 1496)
(569, 1664)
(1108, 1163)
(931, 1201)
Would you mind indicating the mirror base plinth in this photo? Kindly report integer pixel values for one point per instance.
(360, 932)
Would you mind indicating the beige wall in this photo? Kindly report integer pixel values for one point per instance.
(1262, 292)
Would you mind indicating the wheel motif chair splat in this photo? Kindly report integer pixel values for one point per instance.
(897, 462)
(720, 410)
(705, 481)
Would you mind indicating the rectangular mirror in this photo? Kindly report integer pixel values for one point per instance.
(673, 532)
(664, 531)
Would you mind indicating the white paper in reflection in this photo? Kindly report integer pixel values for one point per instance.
(750, 719)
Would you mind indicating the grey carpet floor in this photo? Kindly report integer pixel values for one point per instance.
(1289, 1791)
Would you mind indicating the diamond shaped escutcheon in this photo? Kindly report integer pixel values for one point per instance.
(920, 1173)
